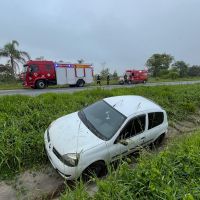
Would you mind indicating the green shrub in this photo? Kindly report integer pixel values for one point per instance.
(173, 75)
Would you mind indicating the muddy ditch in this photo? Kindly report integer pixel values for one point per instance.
(47, 184)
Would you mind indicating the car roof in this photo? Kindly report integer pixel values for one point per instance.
(131, 104)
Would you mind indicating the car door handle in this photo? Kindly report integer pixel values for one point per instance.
(143, 138)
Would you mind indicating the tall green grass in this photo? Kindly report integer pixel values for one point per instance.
(24, 119)
(172, 174)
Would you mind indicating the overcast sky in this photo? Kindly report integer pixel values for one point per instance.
(121, 34)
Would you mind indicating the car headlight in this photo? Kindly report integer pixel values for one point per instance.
(71, 159)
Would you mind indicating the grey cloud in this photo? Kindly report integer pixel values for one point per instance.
(121, 33)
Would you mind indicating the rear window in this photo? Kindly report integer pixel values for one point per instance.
(155, 119)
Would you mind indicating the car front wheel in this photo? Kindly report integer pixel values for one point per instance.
(97, 169)
(158, 141)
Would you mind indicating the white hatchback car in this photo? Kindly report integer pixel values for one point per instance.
(85, 141)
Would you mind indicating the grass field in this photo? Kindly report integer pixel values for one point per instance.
(11, 86)
(172, 174)
(153, 80)
(24, 119)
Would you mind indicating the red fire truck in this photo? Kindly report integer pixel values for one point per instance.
(134, 76)
(40, 74)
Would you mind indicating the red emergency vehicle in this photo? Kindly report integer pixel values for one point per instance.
(134, 76)
(40, 74)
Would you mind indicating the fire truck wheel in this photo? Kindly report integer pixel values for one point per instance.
(40, 84)
(80, 83)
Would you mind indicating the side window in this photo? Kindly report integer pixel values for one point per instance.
(133, 127)
(155, 119)
(34, 68)
(48, 67)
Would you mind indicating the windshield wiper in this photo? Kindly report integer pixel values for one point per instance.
(96, 132)
(85, 118)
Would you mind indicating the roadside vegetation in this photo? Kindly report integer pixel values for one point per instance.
(24, 119)
(11, 85)
(171, 174)
(160, 79)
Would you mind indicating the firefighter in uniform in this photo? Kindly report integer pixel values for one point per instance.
(108, 79)
(98, 80)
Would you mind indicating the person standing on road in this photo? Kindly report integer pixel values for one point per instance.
(108, 79)
(98, 80)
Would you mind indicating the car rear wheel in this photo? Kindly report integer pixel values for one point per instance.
(97, 169)
(40, 84)
(158, 141)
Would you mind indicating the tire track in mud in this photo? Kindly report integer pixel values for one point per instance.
(47, 184)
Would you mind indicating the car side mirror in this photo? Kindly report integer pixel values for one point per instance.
(123, 142)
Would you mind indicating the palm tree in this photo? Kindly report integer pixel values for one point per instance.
(15, 56)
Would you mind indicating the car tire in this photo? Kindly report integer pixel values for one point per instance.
(158, 141)
(97, 169)
(40, 84)
(80, 83)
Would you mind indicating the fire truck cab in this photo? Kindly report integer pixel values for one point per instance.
(40, 74)
(134, 76)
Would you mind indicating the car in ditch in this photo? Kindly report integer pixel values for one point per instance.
(83, 142)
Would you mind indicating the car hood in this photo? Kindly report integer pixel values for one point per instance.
(68, 134)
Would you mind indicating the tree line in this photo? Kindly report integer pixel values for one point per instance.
(165, 66)
(159, 65)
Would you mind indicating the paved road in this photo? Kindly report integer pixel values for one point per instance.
(35, 92)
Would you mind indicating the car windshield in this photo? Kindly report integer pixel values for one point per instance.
(102, 119)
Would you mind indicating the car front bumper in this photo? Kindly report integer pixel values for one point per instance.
(69, 173)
